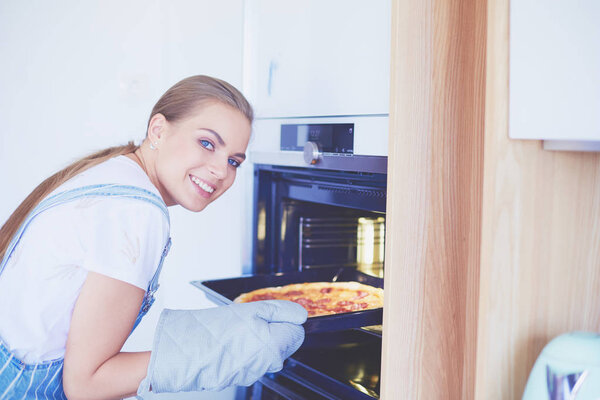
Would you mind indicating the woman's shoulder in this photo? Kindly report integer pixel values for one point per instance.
(119, 170)
(130, 192)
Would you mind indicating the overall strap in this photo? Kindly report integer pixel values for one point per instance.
(108, 190)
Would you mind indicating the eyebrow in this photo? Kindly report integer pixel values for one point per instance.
(222, 142)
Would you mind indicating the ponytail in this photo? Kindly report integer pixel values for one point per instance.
(13, 223)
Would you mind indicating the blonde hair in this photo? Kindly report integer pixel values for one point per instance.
(175, 104)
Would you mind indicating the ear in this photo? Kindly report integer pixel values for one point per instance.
(156, 127)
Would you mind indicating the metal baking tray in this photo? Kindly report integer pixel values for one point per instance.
(223, 291)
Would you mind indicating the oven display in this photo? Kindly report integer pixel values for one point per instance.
(331, 138)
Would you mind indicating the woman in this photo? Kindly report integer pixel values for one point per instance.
(82, 254)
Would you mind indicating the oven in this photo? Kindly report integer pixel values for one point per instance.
(319, 215)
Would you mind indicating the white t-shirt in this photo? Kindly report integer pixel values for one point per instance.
(122, 238)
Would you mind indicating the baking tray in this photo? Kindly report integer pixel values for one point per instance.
(223, 291)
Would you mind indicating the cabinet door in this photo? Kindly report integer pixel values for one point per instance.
(317, 57)
(555, 70)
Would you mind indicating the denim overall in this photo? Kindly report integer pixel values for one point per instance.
(44, 380)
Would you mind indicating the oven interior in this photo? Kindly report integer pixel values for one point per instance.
(305, 219)
(308, 218)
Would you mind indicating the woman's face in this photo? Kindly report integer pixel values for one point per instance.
(197, 157)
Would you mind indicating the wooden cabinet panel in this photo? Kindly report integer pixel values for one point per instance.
(434, 203)
(540, 244)
(493, 244)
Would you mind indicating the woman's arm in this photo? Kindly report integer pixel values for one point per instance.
(103, 317)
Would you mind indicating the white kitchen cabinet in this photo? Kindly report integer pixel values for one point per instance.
(317, 57)
(555, 72)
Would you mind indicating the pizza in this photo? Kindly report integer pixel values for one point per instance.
(321, 298)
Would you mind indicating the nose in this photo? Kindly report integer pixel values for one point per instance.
(218, 168)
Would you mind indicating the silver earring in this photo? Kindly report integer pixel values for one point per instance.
(153, 146)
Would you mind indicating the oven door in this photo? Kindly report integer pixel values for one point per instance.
(342, 366)
(341, 354)
(334, 362)
(333, 366)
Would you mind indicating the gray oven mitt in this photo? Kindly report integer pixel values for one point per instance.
(218, 347)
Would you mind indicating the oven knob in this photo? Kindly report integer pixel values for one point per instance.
(311, 153)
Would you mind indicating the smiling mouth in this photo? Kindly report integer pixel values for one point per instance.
(207, 188)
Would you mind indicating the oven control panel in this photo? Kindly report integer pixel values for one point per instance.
(335, 139)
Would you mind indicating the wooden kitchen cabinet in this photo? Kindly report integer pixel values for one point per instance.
(492, 245)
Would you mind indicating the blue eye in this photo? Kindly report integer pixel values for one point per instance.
(234, 163)
(206, 144)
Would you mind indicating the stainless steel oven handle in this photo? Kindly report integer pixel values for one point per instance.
(348, 162)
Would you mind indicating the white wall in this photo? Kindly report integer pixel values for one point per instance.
(79, 76)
